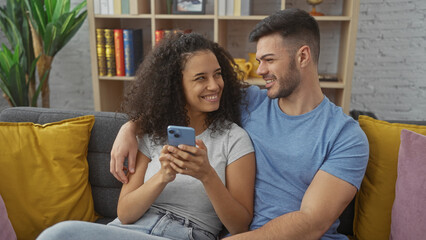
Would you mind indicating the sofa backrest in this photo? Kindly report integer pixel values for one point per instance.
(105, 188)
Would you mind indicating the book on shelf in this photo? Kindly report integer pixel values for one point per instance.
(106, 6)
(222, 8)
(138, 6)
(96, 7)
(133, 50)
(125, 7)
(111, 7)
(246, 7)
(162, 33)
(119, 52)
(100, 51)
(117, 6)
(242, 7)
(103, 6)
(109, 52)
(229, 7)
(237, 7)
(159, 34)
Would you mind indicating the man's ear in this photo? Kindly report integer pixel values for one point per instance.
(304, 56)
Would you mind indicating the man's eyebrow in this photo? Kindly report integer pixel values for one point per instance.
(266, 55)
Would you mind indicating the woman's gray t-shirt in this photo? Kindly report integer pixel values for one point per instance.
(186, 196)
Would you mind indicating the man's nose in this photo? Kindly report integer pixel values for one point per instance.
(262, 69)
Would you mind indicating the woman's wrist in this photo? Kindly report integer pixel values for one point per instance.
(163, 177)
(207, 178)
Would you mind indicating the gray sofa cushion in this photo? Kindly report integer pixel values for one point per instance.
(105, 188)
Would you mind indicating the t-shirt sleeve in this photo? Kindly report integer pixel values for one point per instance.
(239, 144)
(252, 97)
(348, 157)
(143, 145)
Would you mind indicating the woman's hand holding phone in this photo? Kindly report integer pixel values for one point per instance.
(168, 173)
(191, 160)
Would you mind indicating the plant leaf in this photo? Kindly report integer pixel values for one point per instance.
(66, 22)
(6, 59)
(18, 88)
(50, 7)
(40, 85)
(80, 6)
(73, 29)
(6, 91)
(10, 29)
(50, 39)
(38, 16)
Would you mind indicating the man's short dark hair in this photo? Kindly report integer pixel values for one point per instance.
(296, 26)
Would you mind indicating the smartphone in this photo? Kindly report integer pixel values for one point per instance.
(180, 135)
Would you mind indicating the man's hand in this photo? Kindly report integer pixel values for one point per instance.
(125, 145)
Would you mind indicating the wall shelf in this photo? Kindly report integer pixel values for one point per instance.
(108, 91)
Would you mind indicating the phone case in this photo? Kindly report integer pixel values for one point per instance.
(180, 135)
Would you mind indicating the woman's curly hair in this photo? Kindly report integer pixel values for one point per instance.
(156, 99)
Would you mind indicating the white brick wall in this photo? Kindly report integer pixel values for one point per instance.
(390, 63)
(390, 60)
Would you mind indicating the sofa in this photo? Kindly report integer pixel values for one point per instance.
(105, 188)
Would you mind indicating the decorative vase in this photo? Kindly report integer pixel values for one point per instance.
(244, 66)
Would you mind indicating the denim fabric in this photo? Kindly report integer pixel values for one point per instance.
(159, 222)
(156, 224)
(79, 230)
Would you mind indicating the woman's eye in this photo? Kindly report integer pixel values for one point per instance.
(199, 78)
(218, 74)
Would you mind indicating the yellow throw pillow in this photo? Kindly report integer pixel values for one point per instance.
(373, 204)
(44, 173)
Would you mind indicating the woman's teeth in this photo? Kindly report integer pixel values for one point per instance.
(211, 97)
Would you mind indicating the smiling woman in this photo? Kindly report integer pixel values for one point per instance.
(202, 85)
(184, 192)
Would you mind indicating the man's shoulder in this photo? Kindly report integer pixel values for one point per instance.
(339, 122)
(254, 97)
(254, 93)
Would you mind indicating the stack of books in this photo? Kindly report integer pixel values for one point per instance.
(162, 33)
(234, 7)
(120, 7)
(119, 51)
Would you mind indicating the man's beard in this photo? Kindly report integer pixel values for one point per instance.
(288, 83)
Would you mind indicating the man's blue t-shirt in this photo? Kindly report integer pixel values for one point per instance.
(291, 149)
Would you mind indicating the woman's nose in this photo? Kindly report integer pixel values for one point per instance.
(212, 84)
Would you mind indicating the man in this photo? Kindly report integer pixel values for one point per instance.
(310, 156)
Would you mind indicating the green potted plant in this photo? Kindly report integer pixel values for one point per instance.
(52, 25)
(17, 80)
(14, 79)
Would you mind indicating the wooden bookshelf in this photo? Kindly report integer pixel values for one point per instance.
(108, 91)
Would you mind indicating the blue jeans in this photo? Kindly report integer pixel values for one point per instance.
(156, 224)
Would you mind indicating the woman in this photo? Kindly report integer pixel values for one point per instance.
(184, 192)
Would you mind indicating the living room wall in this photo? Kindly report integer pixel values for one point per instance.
(389, 74)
